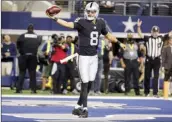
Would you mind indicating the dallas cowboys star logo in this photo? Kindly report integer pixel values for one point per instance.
(129, 25)
(94, 27)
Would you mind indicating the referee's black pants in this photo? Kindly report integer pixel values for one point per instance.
(132, 68)
(27, 62)
(150, 64)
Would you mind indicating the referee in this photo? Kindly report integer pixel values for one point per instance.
(154, 44)
(27, 45)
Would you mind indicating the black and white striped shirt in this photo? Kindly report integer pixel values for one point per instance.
(153, 46)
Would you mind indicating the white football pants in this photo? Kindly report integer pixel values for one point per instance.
(88, 66)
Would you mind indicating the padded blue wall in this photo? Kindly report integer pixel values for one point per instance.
(20, 20)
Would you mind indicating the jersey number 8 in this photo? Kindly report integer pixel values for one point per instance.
(94, 38)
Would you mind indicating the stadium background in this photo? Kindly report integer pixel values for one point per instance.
(16, 15)
(121, 18)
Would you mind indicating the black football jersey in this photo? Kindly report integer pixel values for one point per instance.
(88, 34)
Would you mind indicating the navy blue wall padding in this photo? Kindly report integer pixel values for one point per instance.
(20, 20)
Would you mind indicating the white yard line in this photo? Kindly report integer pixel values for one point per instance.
(91, 97)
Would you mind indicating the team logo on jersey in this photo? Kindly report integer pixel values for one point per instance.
(77, 19)
(94, 27)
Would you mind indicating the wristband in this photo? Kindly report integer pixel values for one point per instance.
(55, 19)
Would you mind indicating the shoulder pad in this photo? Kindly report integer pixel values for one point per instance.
(78, 19)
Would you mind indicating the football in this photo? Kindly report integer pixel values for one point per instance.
(53, 10)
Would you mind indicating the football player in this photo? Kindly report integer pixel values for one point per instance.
(89, 29)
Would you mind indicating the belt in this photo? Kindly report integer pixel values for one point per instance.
(28, 54)
(152, 57)
(130, 59)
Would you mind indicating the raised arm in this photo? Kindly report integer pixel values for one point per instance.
(139, 31)
(62, 22)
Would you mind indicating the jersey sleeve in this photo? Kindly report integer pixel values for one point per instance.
(104, 30)
(77, 24)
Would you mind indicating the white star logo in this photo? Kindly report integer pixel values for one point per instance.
(129, 25)
(94, 27)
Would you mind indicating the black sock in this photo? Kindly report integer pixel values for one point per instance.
(80, 100)
(89, 86)
(83, 95)
(80, 96)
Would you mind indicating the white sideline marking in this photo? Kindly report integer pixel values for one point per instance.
(137, 116)
(69, 117)
(91, 97)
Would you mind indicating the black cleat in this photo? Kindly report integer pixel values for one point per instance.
(18, 91)
(33, 92)
(77, 111)
(147, 95)
(84, 114)
(138, 94)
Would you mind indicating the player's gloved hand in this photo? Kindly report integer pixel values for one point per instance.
(52, 17)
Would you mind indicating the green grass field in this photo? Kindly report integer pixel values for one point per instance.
(6, 91)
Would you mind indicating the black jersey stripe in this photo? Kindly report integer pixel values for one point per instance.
(91, 4)
(154, 47)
